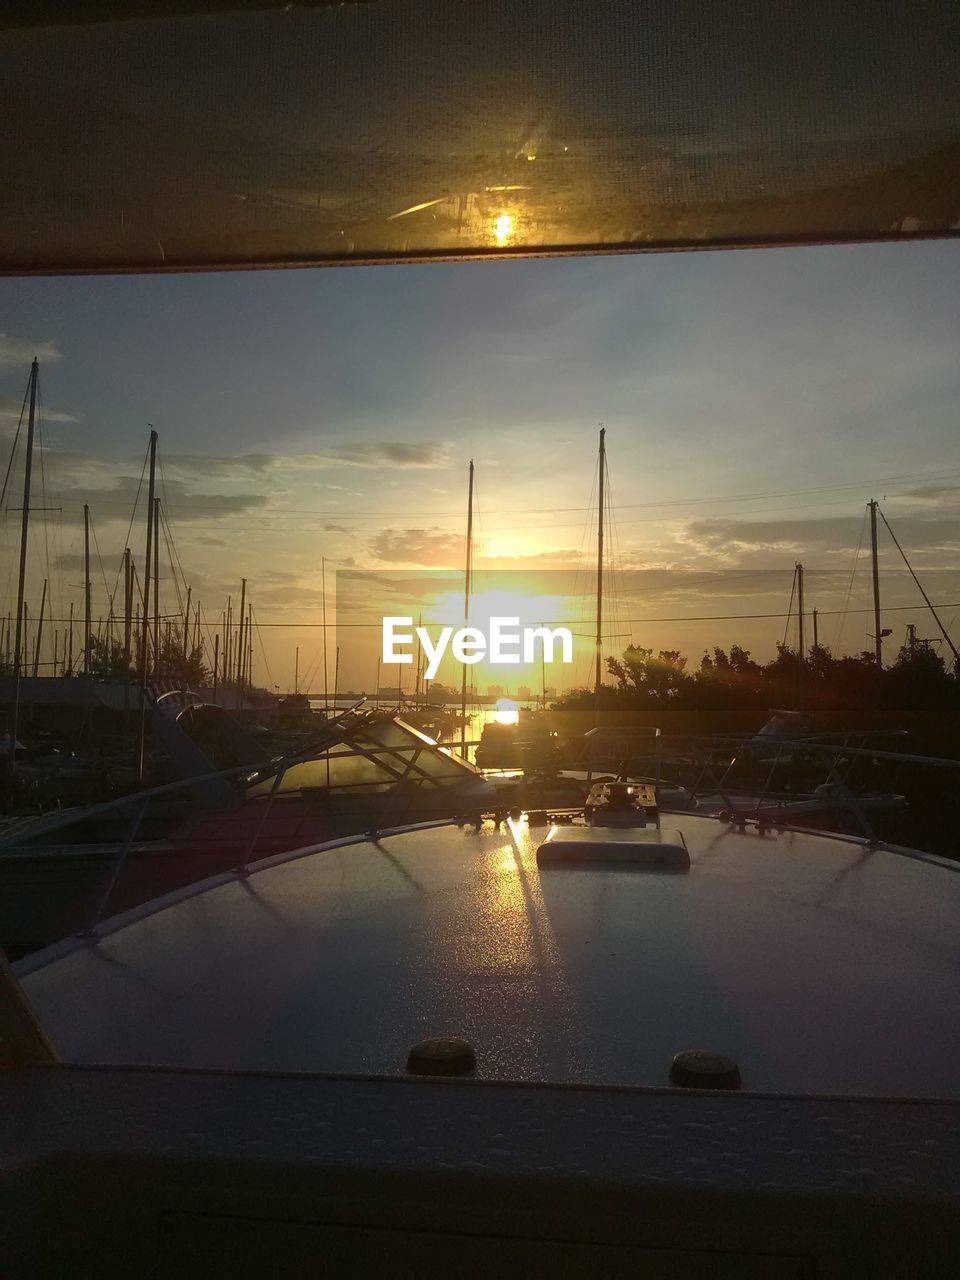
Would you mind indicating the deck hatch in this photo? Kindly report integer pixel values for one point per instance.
(645, 846)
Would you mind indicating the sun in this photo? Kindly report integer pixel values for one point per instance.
(506, 712)
(504, 226)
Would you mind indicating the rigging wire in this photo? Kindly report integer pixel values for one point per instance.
(11, 562)
(41, 451)
(657, 504)
(936, 618)
(13, 450)
(133, 514)
(263, 651)
(172, 554)
(49, 478)
(789, 614)
(846, 600)
(171, 558)
(109, 595)
(635, 622)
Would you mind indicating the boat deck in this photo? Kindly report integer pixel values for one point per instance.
(821, 965)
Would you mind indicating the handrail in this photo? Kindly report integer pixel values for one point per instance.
(705, 747)
(806, 744)
(141, 801)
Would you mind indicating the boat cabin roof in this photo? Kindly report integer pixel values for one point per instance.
(820, 964)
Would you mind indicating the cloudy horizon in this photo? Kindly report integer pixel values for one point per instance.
(753, 402)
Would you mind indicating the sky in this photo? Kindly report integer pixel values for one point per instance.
(753, 402)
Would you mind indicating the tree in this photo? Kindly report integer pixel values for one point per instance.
(106, 659)
(919, 678)
(658, 677)
(173, 664)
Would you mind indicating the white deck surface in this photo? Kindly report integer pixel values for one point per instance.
(819, 965)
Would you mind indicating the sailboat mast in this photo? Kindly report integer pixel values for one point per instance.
(127, 614)
(468, 567)
(36, 654)
(250, 647)
(25, 517)
(323, 620)
(21, 581)
(417, 696)
(156, 581)
(878, 638)
(240, 652)
(186, 624)
(144, 624)
(801, 638)
(599, 636)
(86, 589)
(227, 625)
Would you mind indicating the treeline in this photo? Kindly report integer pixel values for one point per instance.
(107, 661)
(732, 682)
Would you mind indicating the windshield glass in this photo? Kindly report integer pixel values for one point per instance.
(331, 597)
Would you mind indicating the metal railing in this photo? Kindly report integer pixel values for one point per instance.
(400, 762)
(710, 755)
(713, 756)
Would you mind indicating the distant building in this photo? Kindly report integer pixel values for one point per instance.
(523, 693)
(549, 691)
(495, 691)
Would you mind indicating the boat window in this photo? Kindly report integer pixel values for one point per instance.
(334, 768)
(730, 480)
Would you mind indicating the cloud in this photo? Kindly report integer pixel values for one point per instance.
(292, 594)
(434, 547)
(560, 558)
(932, 495)
(403, 455)
(16, 352)
(220, 467)
(409, 455)
(736, 541)
(10, 412)
(69, 560)
(112, 497)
